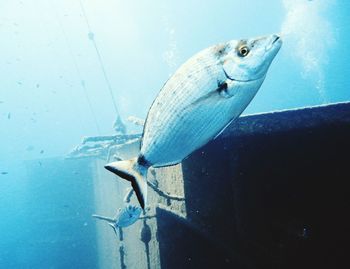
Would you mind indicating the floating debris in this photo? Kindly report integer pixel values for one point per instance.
(1, 102)
(41, 151)
(37, 85)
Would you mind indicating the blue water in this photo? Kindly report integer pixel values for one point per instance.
(62, 61)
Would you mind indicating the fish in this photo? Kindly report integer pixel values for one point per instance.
(4, 173)
(197, 103)
(125, 217)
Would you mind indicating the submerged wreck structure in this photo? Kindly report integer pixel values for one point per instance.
(270, 192)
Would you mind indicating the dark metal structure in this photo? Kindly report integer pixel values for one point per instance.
(271, 192)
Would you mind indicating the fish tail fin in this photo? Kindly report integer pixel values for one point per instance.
(115, 230)
(134, 172)
(109, 220)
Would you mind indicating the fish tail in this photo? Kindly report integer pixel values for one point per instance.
(134, 172)
(109, 220)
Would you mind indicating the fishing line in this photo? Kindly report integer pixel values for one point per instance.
(99, 57)
(77, 69)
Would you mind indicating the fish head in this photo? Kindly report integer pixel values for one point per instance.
(249, 59)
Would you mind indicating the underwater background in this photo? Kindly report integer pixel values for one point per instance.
(70, 67)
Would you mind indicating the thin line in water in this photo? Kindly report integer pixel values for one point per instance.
(77, 69)
(103, 69)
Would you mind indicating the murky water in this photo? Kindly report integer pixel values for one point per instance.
(79, 68)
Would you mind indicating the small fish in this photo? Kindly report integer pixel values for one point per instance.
(41, 151)
(9, 115)
(197, 103)
(125, 217)
(4, 173)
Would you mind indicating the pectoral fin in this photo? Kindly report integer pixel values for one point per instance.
(224, 90)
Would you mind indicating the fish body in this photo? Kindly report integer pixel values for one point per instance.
(125, 217)
(204, 95)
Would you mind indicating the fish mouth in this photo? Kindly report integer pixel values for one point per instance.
(240, 80)
(276, 37)
(276, 43)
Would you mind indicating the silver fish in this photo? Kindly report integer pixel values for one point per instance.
(125, 217)
(195, 105)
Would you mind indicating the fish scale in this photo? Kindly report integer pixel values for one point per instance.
(179, 89)
(203, 96)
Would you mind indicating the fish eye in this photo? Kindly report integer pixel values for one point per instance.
(243, 51)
